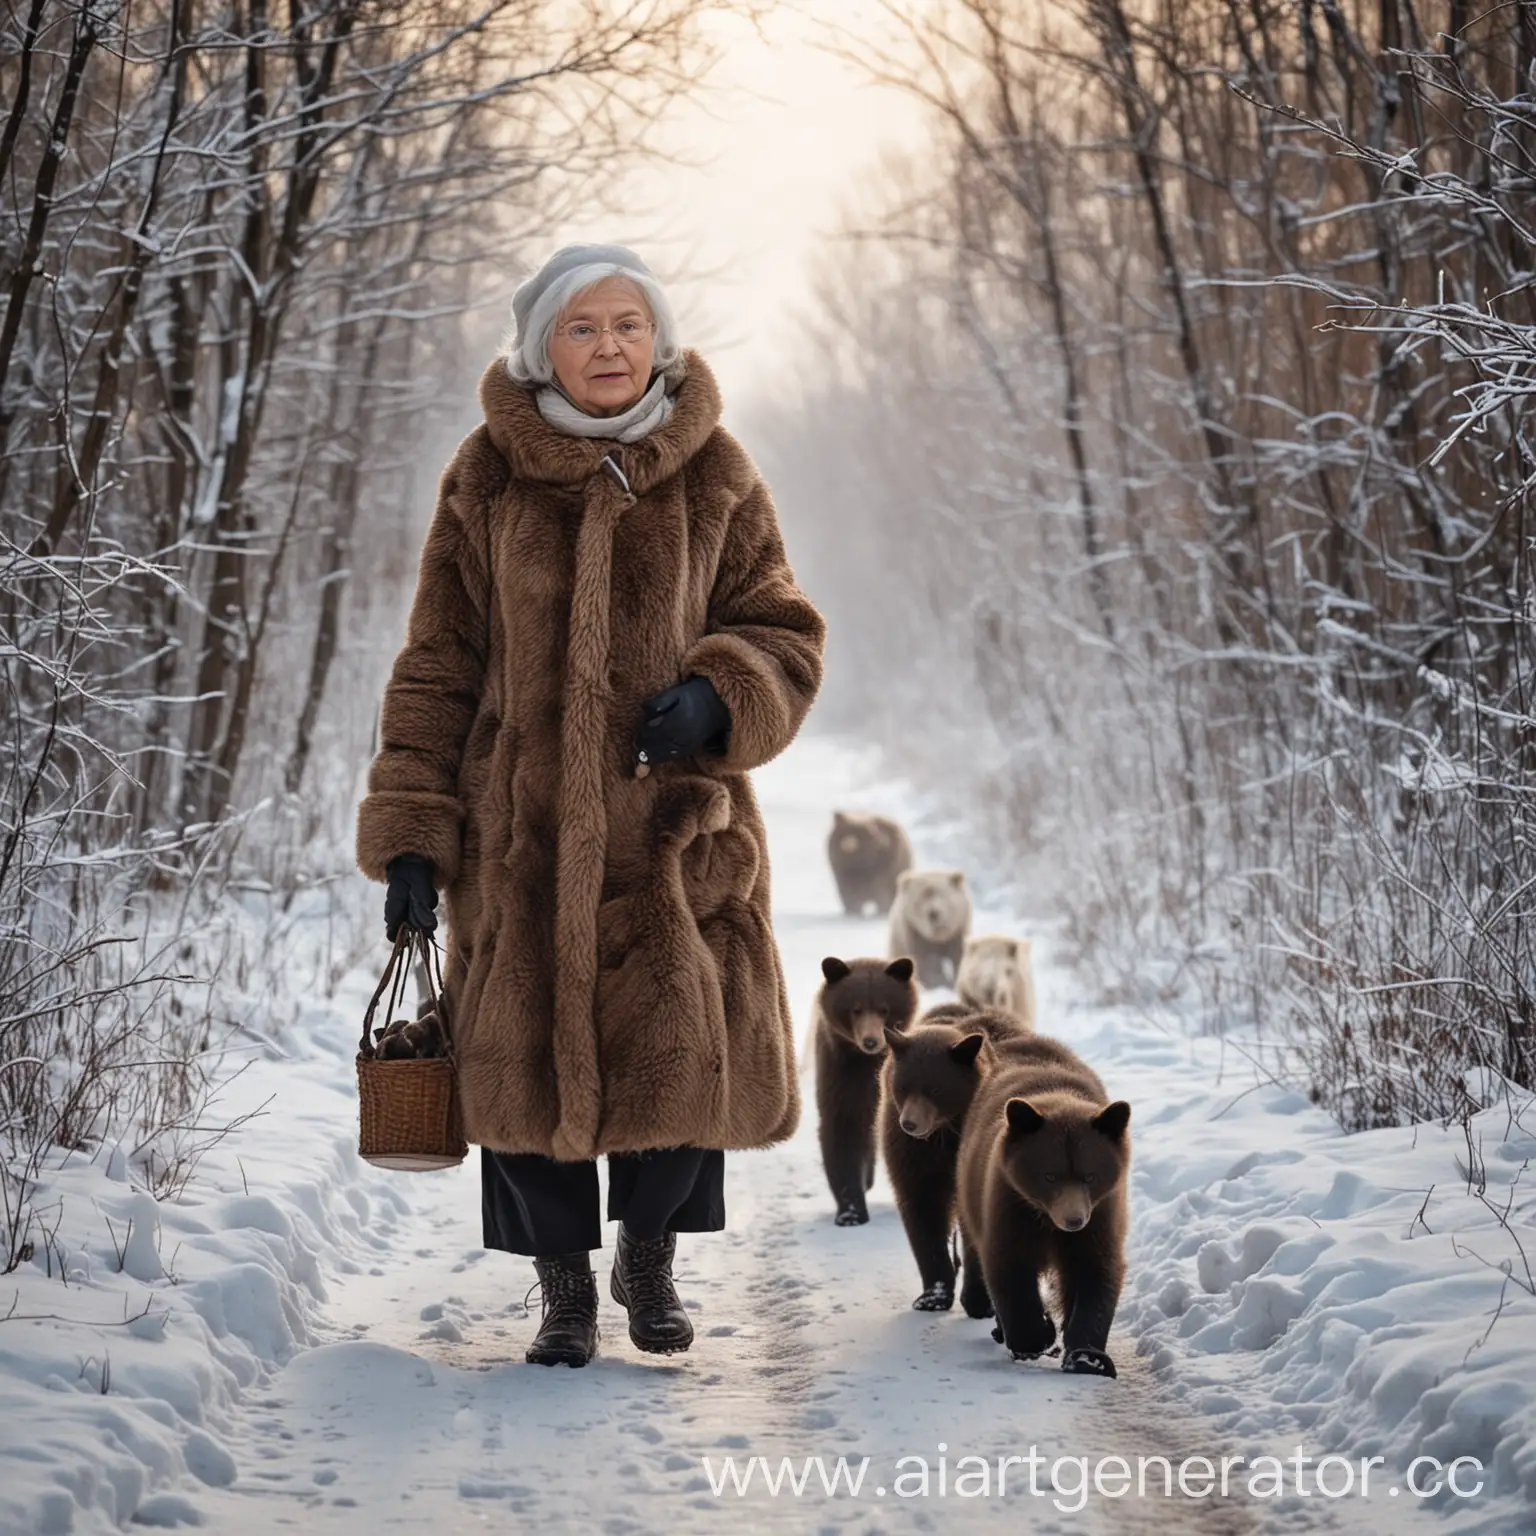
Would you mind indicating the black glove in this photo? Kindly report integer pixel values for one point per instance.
(411, 896)
(686, 721)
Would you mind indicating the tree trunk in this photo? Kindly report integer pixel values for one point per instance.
(42, 205)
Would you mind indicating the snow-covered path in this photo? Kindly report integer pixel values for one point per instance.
(300, 1341)
(419, 1411)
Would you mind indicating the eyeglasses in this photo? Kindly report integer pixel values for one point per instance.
(628, 332)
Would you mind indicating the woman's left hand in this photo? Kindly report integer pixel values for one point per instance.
(689, 720)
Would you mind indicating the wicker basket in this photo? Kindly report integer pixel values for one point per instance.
(408, 1110)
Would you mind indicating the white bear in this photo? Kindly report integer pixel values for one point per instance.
(929, 921)
(995, 972)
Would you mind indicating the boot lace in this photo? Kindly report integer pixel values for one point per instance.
(565, 1294)
(647, 1271)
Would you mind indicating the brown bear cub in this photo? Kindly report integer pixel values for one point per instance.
(867, 852)
(858, 1003)
(929, 1080)
(1042, 1180)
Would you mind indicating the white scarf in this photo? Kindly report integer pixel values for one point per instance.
(640, 420)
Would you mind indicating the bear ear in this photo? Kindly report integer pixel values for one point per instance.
(839, 819)
(897, 1039)
(1023, 1117)
(966, 1051)
(1013, 948)
(901, 969)
(834, 969)
(1112, 1120)
(957, 877)
(906, 877)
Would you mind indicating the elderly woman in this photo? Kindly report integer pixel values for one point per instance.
(605, 638)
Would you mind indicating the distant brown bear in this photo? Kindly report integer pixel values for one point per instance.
(1042, 1183)
(859, 1001)
(929, 1080)
(867, 853)
(930, 921)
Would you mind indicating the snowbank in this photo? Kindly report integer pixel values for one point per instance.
(136, 1327)
(1350, 1292)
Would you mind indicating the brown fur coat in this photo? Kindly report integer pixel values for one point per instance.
(612, 975)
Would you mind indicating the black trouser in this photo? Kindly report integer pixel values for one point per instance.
(535, 1205)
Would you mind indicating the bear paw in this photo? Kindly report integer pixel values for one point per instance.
(1035, 1354)
(1088, 1362)
(977, 1303)
(850, 1217)
(939, 1297)
(1035, 1341)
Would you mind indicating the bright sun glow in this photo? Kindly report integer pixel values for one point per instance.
(776, 146)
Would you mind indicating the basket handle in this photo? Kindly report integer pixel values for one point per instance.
(433, 962)
(395, 978)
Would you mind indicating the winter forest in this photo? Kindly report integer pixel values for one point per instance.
(1155, 438)
(1194, 506)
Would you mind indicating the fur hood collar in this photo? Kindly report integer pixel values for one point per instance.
(538, 451)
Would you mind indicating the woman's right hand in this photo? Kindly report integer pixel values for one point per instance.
(411, 896)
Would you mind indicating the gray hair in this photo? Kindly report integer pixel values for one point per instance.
(527, 348)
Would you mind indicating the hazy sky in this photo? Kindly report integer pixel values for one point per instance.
(782, 135)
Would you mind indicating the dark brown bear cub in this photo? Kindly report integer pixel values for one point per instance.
(1042, 1181)
(930, 1078)
(859, 1000)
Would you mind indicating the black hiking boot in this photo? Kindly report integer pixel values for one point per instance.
(642, 1285)
(568, 1328)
